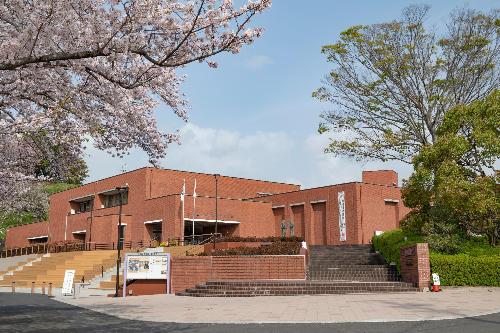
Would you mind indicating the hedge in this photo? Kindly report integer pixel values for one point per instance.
(466, 270)
(275, 248)
(389, 243)
(478, 266)
(258, 239)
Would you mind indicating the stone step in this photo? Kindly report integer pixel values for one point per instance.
(290, 288)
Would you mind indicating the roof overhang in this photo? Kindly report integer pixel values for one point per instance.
(212, 221)
(38, 237)
(153, 222)
(82, 198)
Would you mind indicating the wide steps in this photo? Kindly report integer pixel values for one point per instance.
(291, 288)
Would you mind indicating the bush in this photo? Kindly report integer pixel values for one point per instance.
(258, 239)
(389, 243)
(476, 264)
(275, 248)
(466, 270)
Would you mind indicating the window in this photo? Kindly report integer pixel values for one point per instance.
(114, 199)
(85, 206)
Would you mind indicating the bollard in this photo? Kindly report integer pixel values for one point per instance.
(43, 288)
(50, 289)
(32, 287)
(13, 286)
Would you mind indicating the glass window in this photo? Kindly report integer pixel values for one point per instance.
(114, 199)
(85, 206)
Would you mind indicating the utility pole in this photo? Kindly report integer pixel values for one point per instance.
(119, 244)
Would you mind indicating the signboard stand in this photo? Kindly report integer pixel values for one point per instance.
(146, 266)
(67, 288)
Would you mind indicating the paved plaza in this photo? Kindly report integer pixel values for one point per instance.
(36, 313)
(452, 303)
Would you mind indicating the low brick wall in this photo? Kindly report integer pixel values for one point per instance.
(415, 265)
(189, 271)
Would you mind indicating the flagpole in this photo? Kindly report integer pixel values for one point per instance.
(194, 210)
(182, 221)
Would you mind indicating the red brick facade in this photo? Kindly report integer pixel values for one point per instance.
(245, 208)
(415, 265)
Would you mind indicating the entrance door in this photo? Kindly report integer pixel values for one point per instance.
(319, 223)
(156, 232)
(121, 236)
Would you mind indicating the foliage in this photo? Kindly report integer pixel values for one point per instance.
(392, 83)
(389, 243)
(453, 189)
(73, 72)
(258, 239)
(466, 270)
(32, 207)
(475, 264)
(274, 248)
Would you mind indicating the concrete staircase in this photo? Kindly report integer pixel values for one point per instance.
(108, 280)
(349, 263)
(292, 288)
(347, 269)
(51, 268)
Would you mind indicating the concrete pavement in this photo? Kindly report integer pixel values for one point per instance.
(450, 304)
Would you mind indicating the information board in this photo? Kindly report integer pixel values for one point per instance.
(67, 288)
(147, 266)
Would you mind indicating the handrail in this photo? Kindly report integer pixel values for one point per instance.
(43, 248)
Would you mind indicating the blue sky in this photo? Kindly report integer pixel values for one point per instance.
(254, 116)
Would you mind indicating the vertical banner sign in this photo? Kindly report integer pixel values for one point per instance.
(67, 288)
(342, 226)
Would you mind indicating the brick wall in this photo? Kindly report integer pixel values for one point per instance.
(18, 236)
(380, 177)
(189, 271)
(415, 265)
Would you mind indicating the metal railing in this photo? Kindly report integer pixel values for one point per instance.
(43, 248)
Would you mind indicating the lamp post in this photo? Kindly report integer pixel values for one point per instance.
(216, 176)
(118, 245)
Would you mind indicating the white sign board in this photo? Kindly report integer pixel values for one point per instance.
(67, 288)
(147, 266)
(435, 279)
(342, 225)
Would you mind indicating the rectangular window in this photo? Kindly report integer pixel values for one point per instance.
(113, 200)
(85, 206)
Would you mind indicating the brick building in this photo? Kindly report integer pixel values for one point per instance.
(153, 209)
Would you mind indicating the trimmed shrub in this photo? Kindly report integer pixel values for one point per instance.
(389, 243)
(477, 264)
(466, 270)
(275, 248)
(258, 239)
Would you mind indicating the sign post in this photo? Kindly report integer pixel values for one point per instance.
(146, 266)
(67, 288)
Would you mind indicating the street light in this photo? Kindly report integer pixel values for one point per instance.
(216, 176)
(121, 190)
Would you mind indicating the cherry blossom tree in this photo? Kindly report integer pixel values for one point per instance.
(96, 69)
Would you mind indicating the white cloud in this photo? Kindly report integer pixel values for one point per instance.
(275, 156)
(258, 61)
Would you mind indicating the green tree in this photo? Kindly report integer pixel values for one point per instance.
(454, 187)
(392, 83)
